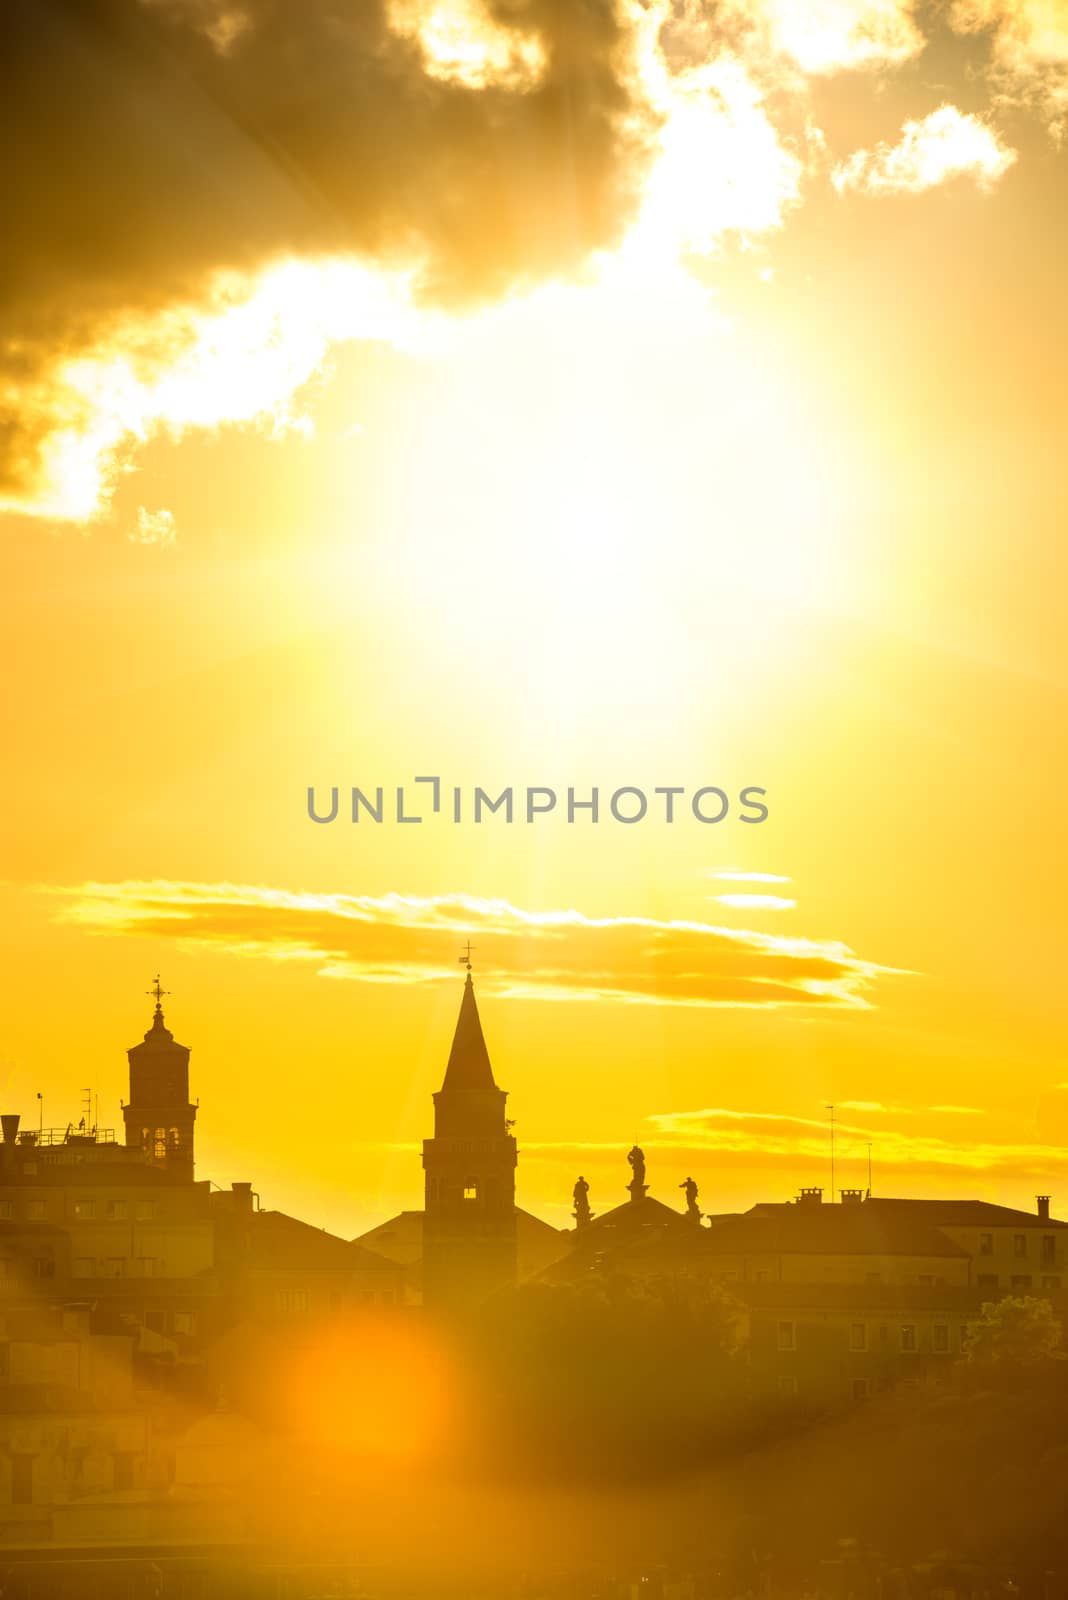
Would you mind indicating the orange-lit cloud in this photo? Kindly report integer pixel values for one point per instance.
(908, 1150)
(460, 41)
(947, 144)
(561, 955)
(1028, 51)
(825, 36)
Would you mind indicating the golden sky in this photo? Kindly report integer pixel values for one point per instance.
(540, 394)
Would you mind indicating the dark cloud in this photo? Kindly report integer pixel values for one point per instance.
(139, 158)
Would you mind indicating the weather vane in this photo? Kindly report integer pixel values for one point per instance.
(158, 992)
(465, 959)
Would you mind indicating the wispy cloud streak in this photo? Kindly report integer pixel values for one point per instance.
(555, 954)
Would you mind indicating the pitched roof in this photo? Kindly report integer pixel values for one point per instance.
(963, 1213)
(469, 1062)
(401, 1239)
(279, 1242)
(633, 1217)
(849, 1230)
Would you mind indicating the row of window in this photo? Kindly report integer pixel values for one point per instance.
(863, 1388)
(1047, 1245)
(859, 1335)
(22, 1474)
(184, 1322)
(85, 1210)
(160, 1141)
(1019, 1280)
(117, 1267)
(292, 1302)
(39, 1267)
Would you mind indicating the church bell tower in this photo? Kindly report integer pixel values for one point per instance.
(158, 1115)
(469, 1227)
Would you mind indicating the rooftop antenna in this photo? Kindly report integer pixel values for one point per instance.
(87, 1097)
(830, 1108)
(869, 1169)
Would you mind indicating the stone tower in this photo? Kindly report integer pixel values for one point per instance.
(158, 1115)
(469, 1227)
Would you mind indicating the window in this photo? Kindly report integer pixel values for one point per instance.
(908, 1337)
(1019, 1244)
(760, 1275)
(35, 1211)
(1049, 1249)
(84, 1267)
(292, 1300)
(174, 1138)
(1051, 1283)
(988, 1280)
(185, 1322)
(787, 1385)
(144, 1210)
(156, 1321)
(787, 1336)
(5, 1208)
(84, 1209)
(115, 1209)
(861, 1388)
(144, 1266)
(44, 1267)
(940, 1339)
(21, 1480)
(858, 1336)
(159, 1144)
(1021, 1280)
(986, 1244)
(470, 1189)
(115, 1267)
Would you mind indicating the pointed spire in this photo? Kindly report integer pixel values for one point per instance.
(469, 1062)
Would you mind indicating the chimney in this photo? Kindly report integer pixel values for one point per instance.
(10, 1125)
(852, 1197)
(1043, 1206)
(810, 1197)
(242, 1193)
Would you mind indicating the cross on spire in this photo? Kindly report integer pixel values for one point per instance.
(465, 959)
(158, 992)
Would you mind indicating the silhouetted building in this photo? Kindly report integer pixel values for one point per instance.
(158, 1115)
(469, 1233)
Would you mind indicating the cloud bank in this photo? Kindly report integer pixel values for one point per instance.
(184, 182)
(552, 955)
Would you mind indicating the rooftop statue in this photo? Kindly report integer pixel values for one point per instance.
(581, 1196)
